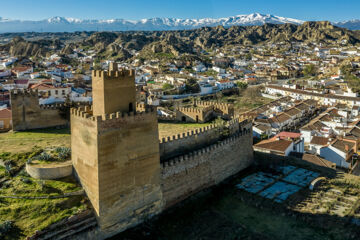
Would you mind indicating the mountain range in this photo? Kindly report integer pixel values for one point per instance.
(125, 45)
(62, 24)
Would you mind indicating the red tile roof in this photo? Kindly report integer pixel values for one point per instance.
(288, 135)
(322, 141)
(274, 145)
(42, 86)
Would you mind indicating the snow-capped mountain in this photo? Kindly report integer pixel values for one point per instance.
(61, 24)
(351, 25)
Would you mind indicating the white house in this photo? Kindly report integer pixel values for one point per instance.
(317, 143)
(339, 152)
(5, 73)
(218, 69)
(199, 68)
(224, 84)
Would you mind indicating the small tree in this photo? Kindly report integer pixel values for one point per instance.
(167, 86)
(242, 85)
(309, 70)
(192, 86)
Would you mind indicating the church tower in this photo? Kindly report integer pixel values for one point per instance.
(115, 152)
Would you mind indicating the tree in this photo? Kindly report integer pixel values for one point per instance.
(242, 85)
(192, 86)
(167, 86)
(309, 70)
(346, 69)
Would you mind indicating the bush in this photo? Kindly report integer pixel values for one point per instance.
(63, 152)
(242, 85)
(167, 86)
(44, 156)
(6, 227)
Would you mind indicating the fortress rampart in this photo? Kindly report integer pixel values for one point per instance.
(193, 114)
(127, 173)
(226, 109)
(187, 174)
(181, 143)
(28, 114)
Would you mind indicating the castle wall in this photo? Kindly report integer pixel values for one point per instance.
(191, 114)
(185, 142)
(84, 144)
(28, 114)
(190, 173)
(116, 154)
(224, 110)
(129, 169)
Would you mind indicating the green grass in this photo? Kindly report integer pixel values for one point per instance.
(16, 142)
(21, 142)
(26, 186)
(32, 215)
(170, 129)
(36, 214)
(245, 103)
(2, 171)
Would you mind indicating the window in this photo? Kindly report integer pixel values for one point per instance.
(1, 124)
(63, 92)
(130, 107)
(56, 92)
(49, 93)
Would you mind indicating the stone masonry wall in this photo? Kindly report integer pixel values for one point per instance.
(181, 143)
(190, 173)
(28, 114)
(49, 171)
(129, 169)
(192, 114)
(84, 144)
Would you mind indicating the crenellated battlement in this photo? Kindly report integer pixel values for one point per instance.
(232, 124)
(175, 145)
(113, 74)
(24, 92)
(86, 113)
(194, 155)
(194, 109)
(52, 106)
(141, 107)
(189, 133)
(212, 103)
(167, 118)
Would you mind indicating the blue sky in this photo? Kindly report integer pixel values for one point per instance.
(333, 10)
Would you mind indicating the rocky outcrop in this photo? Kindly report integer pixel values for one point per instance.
(119, 45)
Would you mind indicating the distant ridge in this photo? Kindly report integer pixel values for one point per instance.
(351, 24)
(62, 24)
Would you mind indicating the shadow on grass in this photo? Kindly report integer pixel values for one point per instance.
(14, 233)
(53, 130)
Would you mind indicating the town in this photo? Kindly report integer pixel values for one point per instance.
(136, 136)
(304, 100)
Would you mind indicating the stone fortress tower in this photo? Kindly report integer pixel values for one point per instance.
(127, 172)
(115, 152)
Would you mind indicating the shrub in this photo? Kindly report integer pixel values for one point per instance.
(63, 152)
(44, 156)
(6, 227)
